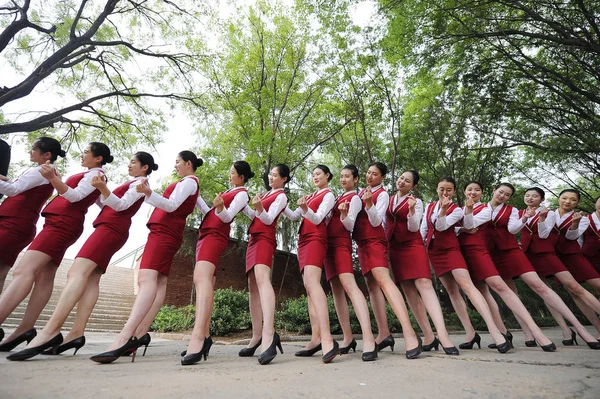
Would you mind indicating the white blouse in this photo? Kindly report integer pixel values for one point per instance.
(414, 220)
(84, 187)
(30, 179)
(130, 197)
(376, 214)
(274, 210)
(186, 187)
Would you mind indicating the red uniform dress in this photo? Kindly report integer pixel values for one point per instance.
(408, 255)
(64, 221)
(312, 243)
(111, 230)
(214, 233)
(540, 251)
(339, 241)
(442, 245)
(569, 253)
(509, 259)
(19, 214)
(371, 241)
(166, 231)
(263, 242)
(474, 248)
(591, 242)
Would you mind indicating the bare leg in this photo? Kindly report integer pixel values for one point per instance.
(315, 331)
(418, 309)
(432, 304)
(378, 305)
(576, 290)
(4, 269)
(85, 306)
(458, 303)
(255, 310)
(588, 313)
(493, 305)
(161, 291)
(266, 293)
(312, 283)
(595, 284)
(360, 308)
(205, 296)
(341, 308)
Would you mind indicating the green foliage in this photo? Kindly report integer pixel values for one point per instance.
(231, 312)
(172, 319)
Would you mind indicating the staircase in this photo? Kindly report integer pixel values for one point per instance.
(112, 309)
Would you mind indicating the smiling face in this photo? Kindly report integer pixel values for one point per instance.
(532, 199)
(374, 176)
(89, 160)
(135, 167)
(347, 180)
(37, 156)
(474, 191)
(598, 206)
(275, 179)
(445, 189)
(568, 201)
(405, 183)
(320, 178)
(502, 194)
(235, 178)
(182, 167)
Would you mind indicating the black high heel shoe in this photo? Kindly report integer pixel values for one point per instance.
(193, 358)
(36, 350)
(505, 346)
(1, 334)
(268, 355)
(77, 343)
(309, 352)
(329, 356)
(469, 345)
(509, 338)
(387, 341)
(532, 343)
(111, 356)
(369, 356)
(144, 341)
(593, 345)
(249, 352)
(415, 352)
(210, 342)
(346, 349)
(572, 341)
(435, 344)
(549, 348)
(26, 336)
(452, 351)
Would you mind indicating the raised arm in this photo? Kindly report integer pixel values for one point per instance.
(182, 191)
(30, 179)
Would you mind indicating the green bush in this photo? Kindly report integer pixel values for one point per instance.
(171, 318)
(231, 312)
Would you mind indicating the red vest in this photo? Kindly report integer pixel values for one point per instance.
(308, 228)
(119, 220)
(591, 239)
(336, 232)
(466, 239)
(363, 229)
(397, 223)
(257, 226)
(444, 239)
(564, 245)
(26, 206)
(497, 235)
(530, 238)
(175, 220)
(212, 223)
(75, 210)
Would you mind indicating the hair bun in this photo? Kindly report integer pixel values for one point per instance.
(154, 167)
(62, 154)
(199, 162)
(109, 159)
(251, 175)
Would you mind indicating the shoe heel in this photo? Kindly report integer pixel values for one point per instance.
(74, 353)
(437, 346)
(478, 341)
(280, 347)
(145, 348)
(392, 347)
(133, 356)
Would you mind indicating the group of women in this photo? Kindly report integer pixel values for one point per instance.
(471, 248)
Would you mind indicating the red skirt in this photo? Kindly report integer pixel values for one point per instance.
(511, 263)
(338, 260)
(581, 269)
(161, 247)
(15, 234)
(546, 264)
(446, 260)
(260, 251)
(58, 234)
(479, 262)
(311, 251)
(210, 246)
(102, 245)
(371, 254)
(409, 260)
(595, 261)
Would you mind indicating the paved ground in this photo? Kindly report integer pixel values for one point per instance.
(572, 372)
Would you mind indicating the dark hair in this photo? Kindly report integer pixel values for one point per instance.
(48, 144)
(448, 179)
(243, 169)
(353, 169)
(571, 190)
(512, 188)
(474, 182)
(325, 170)
(101, 150)
(189, 156)
(415, 175)
(537, 190)
(146, 159)
(284, 171)
(381, 166)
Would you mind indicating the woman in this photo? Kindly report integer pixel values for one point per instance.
(369, 234)
(590, 239)
(83, 279)
(410, 264)
(510, 260)
(20, 212)
(483, 271)
(339, 270)
(166, 225)
(312, 249)
(64, 217)
(212, 241)
(437, 229)
(259, 258)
